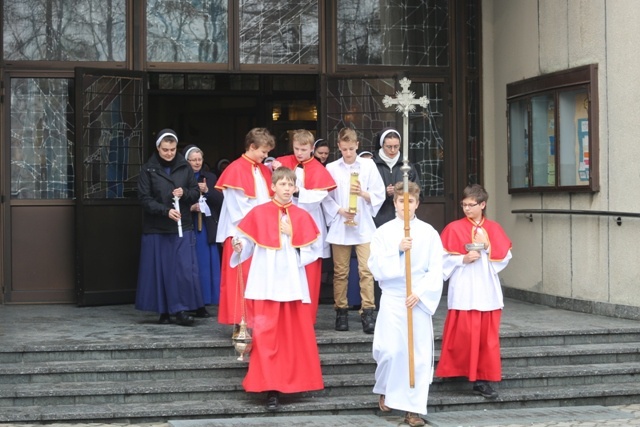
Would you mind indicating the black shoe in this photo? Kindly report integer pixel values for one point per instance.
(202, 313)
(342, 319)
(183, 319)
(165, 319)
(272, 401)
(368, 322)
(485, 390)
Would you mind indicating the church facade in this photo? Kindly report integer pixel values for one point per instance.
(87, 83)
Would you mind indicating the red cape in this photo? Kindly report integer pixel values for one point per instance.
(262, 225)
(458, 233)
(239, 175)
(316, 176)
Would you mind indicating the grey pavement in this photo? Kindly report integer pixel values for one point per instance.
(581, 416)
(35, 326)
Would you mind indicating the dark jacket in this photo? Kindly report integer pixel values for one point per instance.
(214, 201)
(391, 176)
(154, 192)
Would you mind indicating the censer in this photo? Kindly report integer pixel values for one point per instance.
(241, 337)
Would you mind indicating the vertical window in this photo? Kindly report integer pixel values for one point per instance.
(279, 32)
(519, 144)
(552, 125)
(426, 139)
(393, 32)
(187, 31)
(112, 136)
(80, 30)
(41, 139)
(543, 113)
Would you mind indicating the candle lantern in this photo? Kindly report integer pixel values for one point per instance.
(353, 197)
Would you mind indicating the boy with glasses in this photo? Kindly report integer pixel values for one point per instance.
(476, 250)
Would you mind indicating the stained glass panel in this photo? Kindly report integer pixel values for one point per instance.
(426, 139)
(279, 32)
(187, 31)
(357, 104)
(74, 30)
(41, 139)
(393, 32)
(112, 136)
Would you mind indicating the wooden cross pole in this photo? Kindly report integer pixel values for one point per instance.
(405, 102)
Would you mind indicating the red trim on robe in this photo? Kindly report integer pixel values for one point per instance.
(239, 176)
(460, 232)
(262, 225)
(316, 176)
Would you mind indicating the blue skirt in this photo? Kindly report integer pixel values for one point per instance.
(209, 267)
(168, 279)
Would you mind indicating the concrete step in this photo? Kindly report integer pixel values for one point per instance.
(248, 406)
(252, 405)
(348, 363)
(205, 388)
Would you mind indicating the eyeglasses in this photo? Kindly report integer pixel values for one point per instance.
(392, 147)
(468, 205)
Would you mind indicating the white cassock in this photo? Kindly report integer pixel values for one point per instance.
(390, 348)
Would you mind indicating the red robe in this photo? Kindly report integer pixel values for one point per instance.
(239, 176)
(471, 339)
(316, 177)
(285, 355)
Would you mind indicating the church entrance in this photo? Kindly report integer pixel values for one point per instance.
(73, 204)
(215, 111)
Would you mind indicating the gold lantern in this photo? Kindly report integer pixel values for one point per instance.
(353, 197)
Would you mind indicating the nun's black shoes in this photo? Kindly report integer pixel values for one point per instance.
(165, 319)
(202, 313)
(183, 319)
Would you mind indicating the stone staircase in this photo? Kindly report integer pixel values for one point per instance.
(188, 379)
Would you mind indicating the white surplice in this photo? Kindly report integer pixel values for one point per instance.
(282, 276)
(311, 201)
(390, 350)
(474, 286)
(371, 182)
(236, 205)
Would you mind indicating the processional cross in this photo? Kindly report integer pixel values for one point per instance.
(405, 102)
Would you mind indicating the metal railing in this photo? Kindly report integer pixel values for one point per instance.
(619, 215)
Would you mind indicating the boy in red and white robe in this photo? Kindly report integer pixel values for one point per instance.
(314, 183)
(471, 337)
(281, 238)
(245, 183)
